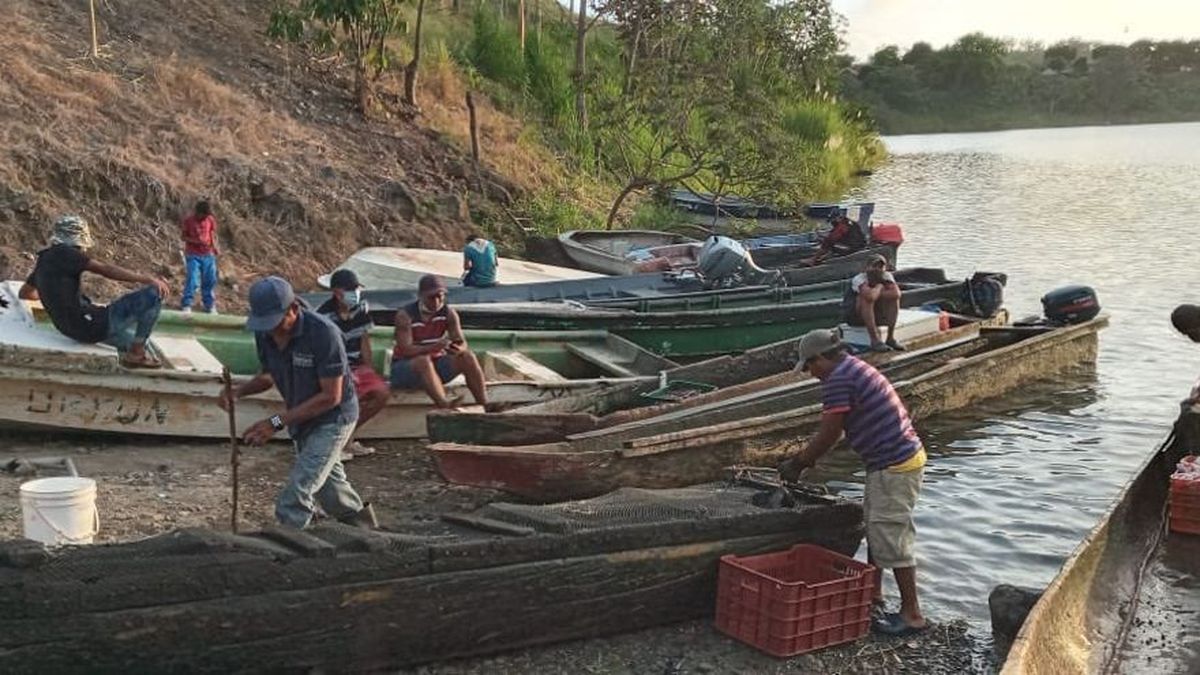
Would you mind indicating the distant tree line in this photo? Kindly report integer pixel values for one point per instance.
(981, 82)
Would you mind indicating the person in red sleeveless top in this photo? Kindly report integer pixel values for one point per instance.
(431, 349)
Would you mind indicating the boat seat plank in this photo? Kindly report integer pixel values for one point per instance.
(185, 353)
(524, 367)
(605, 359)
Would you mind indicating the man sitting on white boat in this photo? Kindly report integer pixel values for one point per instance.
(126, 323)
(431, 348)
(349, 312)
(873, 302)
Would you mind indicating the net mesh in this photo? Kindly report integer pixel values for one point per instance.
(628, 506)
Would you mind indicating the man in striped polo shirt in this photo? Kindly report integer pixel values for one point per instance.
(860, 402)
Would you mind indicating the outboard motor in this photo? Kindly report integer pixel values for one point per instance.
(724, 263)
(1070, 305)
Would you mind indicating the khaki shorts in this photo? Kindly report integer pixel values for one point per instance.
(888, 502)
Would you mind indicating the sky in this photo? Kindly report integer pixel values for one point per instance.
(875, 23)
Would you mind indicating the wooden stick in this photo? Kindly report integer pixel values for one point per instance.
(227, 379)
(95, 41)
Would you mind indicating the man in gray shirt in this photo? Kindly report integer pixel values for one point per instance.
(302, 354)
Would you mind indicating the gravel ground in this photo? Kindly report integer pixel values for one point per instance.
(146, 488)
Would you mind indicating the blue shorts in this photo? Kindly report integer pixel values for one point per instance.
(404, 377)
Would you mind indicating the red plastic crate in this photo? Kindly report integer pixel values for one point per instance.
(794, 601)
(1185, 506)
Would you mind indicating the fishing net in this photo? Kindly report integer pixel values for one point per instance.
(629, 506)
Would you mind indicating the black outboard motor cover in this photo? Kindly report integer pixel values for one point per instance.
(1071, 304)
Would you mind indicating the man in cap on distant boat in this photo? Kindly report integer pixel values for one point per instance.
(1186, 319)
(479, 262)
(845, 236)
(431, 349)
(302, 354)
(858, 401)
(125, 323)
(349, 312)
(873, 301)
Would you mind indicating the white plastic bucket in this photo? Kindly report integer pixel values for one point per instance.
(60, 511)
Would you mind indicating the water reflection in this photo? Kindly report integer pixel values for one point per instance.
(1015, 483)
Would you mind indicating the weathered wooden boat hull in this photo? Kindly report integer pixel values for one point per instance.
(833, 269)
(712, 323)
(384, 267)
(735, 375)
(604, 251)
(46, 395)
(335, 599)
(1090, 618)
(51, 382)
(597, 462)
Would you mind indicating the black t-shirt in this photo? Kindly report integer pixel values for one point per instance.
(353, 327)
(56, 278)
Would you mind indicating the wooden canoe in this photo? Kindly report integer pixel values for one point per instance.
(337, 599)
(1127, 599)
(620, 252)
(756, 429)
(709, 323)
(386, 267)
(48, 381)
(731, 376)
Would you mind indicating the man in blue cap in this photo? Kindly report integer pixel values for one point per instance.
(302, 354)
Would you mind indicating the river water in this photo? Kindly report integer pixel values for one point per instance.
(1013, 485)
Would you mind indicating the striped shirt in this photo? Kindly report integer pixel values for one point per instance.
(876, 424)
(353, 327)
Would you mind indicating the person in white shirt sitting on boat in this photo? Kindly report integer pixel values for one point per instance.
(873, 302)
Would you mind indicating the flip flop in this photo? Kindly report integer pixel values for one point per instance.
(146, 362)
(894, 625)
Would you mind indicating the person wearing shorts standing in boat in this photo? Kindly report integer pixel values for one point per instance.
(873, 301)
(431, 349)
(302, 355)
(126, 323)
(858, 401)
(1186, 319)
(349, 312)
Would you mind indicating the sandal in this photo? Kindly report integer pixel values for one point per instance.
(894, 625)
(146, 361)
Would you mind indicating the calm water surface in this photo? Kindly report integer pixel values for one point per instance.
(1013, 485)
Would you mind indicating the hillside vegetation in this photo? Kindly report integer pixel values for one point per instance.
(981, 83)
(208, 98)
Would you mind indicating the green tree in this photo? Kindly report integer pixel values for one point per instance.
(356, 28)
(888, 57)
(1060, 57)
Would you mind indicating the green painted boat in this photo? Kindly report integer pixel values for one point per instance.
(50, 382)
(711, 323)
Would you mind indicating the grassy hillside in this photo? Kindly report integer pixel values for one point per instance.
(192, 99)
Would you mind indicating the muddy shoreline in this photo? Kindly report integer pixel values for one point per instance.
(150, 486)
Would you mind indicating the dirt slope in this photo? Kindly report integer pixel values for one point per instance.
(190, 99)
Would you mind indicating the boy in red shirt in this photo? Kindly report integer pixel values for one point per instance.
(200, 255)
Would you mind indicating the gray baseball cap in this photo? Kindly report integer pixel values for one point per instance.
(817, 342)
(270, 299)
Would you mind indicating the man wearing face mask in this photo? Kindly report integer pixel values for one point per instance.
(431, 348)
(347, 310)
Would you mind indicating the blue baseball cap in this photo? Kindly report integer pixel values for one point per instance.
(270, 299)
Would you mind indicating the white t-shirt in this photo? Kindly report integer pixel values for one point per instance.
(860, 280)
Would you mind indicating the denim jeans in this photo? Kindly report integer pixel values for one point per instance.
(131, 317)
(202, 271)
(318, 476)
